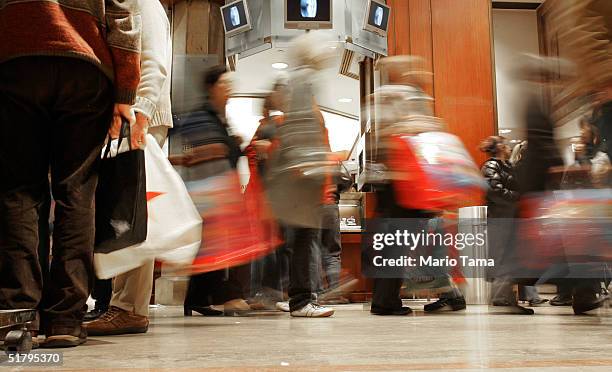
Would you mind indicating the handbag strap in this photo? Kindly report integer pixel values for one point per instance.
(125, 131)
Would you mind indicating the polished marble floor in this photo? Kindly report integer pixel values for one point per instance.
(353, 340)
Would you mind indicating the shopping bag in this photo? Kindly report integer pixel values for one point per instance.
(121, 204)
(232, 234)
(433, 171)
(174, 224)
(573, 226)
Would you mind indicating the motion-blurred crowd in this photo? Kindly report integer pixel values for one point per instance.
(69, 83)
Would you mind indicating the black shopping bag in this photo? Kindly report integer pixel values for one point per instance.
(121, 200)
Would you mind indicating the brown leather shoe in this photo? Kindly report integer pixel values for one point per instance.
(117, 321)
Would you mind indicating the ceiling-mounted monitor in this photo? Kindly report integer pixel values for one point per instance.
(308, 14)
(377, 17)
(235, 18)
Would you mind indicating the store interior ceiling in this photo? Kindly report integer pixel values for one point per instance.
(255, 75)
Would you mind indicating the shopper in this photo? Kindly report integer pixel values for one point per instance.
(131, 291)
(401, 98)
(63, 83)
(270, 274)
(502, 196)
(526, 293)
(297, 175)
(537, 175)
(204, 134)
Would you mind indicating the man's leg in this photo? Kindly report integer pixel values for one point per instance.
(132, 290)
(302, 287)
(129, 306)
(24, 186)
(331, 245)
(83, 110)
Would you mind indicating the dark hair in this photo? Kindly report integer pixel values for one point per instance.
(212, 76)
(489, 145)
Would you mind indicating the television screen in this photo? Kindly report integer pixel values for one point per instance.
(235, 18)
(308, 14)
(377, 17)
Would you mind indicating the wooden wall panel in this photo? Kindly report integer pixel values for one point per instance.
(398, 39)
(463, 67)
(421, 38)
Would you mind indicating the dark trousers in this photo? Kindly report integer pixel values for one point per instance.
(54, 114)
(213, 288)
(386, 293)
(102, 293)
(303, 281)
(270, 274)
(331, 245)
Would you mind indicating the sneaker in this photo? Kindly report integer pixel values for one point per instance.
(446, 304)
(313, 311)
(117, 321)
(283, 306)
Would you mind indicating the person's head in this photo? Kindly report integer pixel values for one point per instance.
(311, 50)
(403, 70)
(218, 87)
(518, 151)
(588, 132)
(496, 147)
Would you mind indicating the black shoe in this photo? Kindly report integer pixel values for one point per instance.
(453, 304)
(203, 310)
(507, 307)
(405, 310)
(94, 314)
(537, 302)
(584, 303)
(561, 300)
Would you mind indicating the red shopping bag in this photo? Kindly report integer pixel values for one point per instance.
(568, 225)
(232, 234)
(433, 171)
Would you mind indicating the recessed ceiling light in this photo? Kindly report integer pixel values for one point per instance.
(280, 65)
(345, 100)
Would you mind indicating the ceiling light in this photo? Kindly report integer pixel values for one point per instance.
(345, 100)
(280, 65)
(505, 131)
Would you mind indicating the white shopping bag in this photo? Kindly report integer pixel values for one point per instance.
(174, 225)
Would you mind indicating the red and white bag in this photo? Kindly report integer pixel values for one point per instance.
(433, 171)
(174, 224)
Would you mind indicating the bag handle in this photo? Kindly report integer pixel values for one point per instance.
(125, 131)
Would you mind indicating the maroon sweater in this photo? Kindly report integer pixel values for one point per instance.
(103, 32)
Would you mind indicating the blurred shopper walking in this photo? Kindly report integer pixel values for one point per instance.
(211, 151)
(298, 170)
(131, 292)
(270, 274)
(63, 83)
